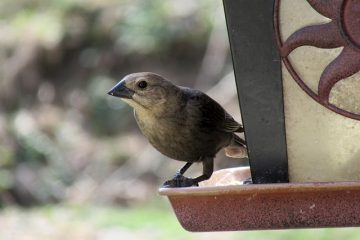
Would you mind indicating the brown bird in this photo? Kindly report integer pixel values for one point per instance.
(182, 123)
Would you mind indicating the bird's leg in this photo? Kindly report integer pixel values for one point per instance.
(180, 181)
(179, 178)
(208, 169)
(183, 169)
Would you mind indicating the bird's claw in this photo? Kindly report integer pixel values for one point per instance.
(248, 181)
(180, 181)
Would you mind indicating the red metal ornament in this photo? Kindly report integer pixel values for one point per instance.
(342, 31)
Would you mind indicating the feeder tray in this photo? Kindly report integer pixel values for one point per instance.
(215, 207)
(224, 203)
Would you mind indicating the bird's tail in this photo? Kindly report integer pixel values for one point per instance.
(237, 148)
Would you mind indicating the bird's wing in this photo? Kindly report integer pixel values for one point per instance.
(230, 125)
(213, 115)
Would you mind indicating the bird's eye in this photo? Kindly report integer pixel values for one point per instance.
(142, 84)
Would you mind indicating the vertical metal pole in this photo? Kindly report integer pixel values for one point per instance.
(257, 68)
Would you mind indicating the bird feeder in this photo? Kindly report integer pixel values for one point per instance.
(296, 65)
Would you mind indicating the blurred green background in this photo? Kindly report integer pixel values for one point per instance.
(73, 163)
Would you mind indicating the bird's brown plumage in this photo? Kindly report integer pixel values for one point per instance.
(182, 123)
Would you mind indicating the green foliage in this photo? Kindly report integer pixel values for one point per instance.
(156, 25)
(108, 116)
(59, 58)
(141, 27)
(150, 221)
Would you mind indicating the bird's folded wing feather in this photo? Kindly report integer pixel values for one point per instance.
(213, 115)
(230, 125)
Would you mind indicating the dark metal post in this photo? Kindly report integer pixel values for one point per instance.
(257, 68)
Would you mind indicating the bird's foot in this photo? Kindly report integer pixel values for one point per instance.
(180, 181)
(248, 181)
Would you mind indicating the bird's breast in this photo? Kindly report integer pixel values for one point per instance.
(179, 139)
(163, 135)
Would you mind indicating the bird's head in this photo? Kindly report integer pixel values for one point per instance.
(144, 91)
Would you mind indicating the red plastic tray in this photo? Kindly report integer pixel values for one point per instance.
(211, 207)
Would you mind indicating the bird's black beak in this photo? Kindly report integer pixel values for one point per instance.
(120, 90)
